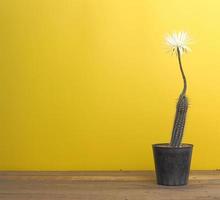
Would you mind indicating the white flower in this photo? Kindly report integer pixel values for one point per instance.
(178, 41)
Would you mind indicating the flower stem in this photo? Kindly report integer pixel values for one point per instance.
(182, 72)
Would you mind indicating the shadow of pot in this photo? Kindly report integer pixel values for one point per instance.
(172, 164)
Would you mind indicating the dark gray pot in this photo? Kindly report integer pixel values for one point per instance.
(172, 164)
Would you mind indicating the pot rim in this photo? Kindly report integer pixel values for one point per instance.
(167, 146)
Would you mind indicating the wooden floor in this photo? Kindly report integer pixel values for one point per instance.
(203, 185)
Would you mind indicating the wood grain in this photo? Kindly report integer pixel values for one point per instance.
(123, 185)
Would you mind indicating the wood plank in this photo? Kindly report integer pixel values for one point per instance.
(123, 185)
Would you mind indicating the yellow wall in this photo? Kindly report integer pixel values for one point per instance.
(88, 85)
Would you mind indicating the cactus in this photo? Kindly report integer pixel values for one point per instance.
(181, 110)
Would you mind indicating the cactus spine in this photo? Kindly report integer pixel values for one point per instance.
(181, 110)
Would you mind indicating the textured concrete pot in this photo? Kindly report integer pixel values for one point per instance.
(172, 164)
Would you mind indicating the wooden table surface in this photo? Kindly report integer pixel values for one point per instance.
(123, 185)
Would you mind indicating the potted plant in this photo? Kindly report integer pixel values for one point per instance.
(172, 160)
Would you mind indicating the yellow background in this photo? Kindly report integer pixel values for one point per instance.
(88, 85)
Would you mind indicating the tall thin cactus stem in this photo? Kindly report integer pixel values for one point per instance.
(181, 110)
